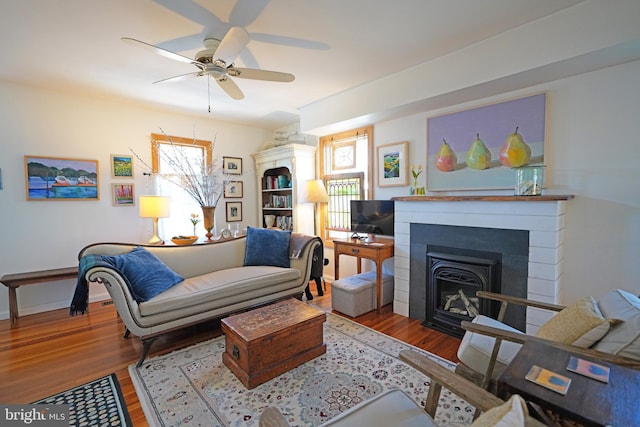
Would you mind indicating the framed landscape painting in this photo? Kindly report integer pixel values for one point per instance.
(123, 195)
(392, 165)
(473, 149)
(56, 178)
(121, 166)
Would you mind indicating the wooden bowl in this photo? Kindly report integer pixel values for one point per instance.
(184, 240)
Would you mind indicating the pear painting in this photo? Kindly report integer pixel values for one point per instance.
(446, 158)
(478, 156)
(515, 152)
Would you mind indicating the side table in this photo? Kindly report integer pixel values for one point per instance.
(376, 251)
(588, 401)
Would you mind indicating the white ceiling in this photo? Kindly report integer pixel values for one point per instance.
(329, 45)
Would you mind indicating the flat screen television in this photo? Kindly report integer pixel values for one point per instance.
(372, 217)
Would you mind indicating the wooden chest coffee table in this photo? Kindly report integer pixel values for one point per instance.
(268, 341)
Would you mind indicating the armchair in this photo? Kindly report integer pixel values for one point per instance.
(395, 408)
(608, 331)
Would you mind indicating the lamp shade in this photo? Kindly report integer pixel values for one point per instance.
(315, 192)
(154, 206)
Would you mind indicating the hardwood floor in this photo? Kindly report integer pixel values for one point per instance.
(52, 351)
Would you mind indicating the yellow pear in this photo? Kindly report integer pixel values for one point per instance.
(515, 152)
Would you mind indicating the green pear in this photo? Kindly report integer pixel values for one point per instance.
(515, 152)
(446, 158)
(478, 156)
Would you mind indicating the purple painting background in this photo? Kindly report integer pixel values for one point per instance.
(494, 123)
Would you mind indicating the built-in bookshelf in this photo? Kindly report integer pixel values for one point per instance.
(281, 173)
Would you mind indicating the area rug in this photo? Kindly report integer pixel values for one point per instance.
(96, 403)
(192, 387)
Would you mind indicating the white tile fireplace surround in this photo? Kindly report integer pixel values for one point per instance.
(543, 216)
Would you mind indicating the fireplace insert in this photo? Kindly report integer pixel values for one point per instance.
(452, 283)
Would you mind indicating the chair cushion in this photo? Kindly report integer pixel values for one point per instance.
(622, 339)
(580, 324)
(512, 413)
(267, 247)
(391, 408)
(146, 275)
(475, 349)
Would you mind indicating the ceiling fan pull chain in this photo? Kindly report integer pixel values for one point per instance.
(209, 91)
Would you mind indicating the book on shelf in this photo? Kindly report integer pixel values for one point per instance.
(551, 380)
(589, 369)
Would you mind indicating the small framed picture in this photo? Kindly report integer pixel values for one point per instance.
(233, 190)
(392, 165)
(232, 165)
(121, 166)
(234, 211)
(123, 195)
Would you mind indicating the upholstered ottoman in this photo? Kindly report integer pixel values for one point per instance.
(356, 295)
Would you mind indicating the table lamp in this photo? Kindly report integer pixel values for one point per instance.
(155, 207)
(315, 192)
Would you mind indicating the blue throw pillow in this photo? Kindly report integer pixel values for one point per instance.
(267, 247)
(146, 274)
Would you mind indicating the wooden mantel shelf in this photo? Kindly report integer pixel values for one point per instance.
(542, 198)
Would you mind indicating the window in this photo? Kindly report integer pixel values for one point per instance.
(195, 152)
(346, 169)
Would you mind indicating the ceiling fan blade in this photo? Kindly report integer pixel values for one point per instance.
(181, 77)
(230, 87)
(232, 44)
(255, 74)
(160, 51)
(246, 11)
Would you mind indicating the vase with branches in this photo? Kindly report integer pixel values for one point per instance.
(201, 177)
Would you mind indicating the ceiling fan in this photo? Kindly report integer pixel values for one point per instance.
(216, 61)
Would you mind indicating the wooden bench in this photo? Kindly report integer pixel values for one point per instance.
(14, 281)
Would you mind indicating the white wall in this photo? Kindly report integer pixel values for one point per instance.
(593, 152)
(38, 235)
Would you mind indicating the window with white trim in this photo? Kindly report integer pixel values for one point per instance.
(345, 159)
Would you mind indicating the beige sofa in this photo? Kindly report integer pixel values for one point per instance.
(216, 284)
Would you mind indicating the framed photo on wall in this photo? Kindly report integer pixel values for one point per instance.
(233, 190)
(123, 195)
(121, 166)
(470, 149)
(234, 211)
(232, 165)
(391, 164)
(58, 178)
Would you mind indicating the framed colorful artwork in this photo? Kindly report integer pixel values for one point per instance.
(232, 165)
(234, 211)
(392, 165)
(123, 195)
(57, 178)
(478, 148)
(233, 190)
(121, 166)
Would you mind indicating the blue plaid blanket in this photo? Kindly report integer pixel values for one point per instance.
(80, 301)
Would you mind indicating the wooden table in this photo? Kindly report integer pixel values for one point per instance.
(14, 281)
(588, 401)
(376, 251)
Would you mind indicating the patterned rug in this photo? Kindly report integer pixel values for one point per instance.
(96, 403)
(191, 387)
